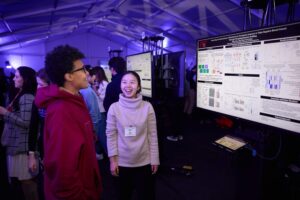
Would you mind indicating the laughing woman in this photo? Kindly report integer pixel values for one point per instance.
(132, 140)
(15, 134)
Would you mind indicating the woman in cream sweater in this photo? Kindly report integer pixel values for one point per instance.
(132, 140)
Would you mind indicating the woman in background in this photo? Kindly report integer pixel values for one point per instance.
(15, 135)
(100, 89)
(37, 125)
(36, 130)
(190, 99)
(132, 140)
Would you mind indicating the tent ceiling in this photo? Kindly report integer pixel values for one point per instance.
(123, 21)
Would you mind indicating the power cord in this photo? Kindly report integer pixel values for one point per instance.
(255, 153)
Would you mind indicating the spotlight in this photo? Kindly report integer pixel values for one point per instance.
(7, 64)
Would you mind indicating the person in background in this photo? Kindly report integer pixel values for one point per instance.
(3, 168)
(99, 87)
(91, 101)
(3, 87)
(117, 66)
(3, 98)
(37, 125)
(177, 117)
(132, 140)
(11, 90)
(190, 99)
(71, 170)
(15, 134)
(36, 129)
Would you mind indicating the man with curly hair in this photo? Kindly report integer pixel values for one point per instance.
(71, 169)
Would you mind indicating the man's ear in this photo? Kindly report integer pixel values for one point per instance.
(68, 77)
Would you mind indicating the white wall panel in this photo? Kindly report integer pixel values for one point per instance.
(31, 56)
(94, 47)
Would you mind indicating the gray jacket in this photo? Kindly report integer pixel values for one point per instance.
(16, 129)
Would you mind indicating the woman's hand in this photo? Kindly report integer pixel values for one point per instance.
(114, 168)
(32, 162)
(154, 169)
(3, 110)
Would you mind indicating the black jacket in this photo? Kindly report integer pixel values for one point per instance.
(112, 91)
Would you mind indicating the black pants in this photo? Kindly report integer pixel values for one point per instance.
(137, 179)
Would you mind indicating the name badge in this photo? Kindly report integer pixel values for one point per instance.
(130, 131)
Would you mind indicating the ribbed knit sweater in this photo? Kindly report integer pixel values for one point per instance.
(132, 151)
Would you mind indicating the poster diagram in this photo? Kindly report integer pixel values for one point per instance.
(210, 66)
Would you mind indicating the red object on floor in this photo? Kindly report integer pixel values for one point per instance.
(224, 122)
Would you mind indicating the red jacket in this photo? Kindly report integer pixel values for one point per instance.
(71, 168)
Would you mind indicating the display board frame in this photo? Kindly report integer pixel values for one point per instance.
(253, 75)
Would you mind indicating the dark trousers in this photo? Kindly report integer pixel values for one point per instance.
(139, 180)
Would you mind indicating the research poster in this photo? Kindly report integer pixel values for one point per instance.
(253, 75)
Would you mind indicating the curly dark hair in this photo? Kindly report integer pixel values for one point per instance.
(118, 63)
(137, 76)
(61, 61)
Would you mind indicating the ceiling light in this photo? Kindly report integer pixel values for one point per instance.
(7, 65)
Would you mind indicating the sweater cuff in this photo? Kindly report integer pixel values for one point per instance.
(111, 154)
(155, 161)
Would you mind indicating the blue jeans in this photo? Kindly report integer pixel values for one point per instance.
(102, 132)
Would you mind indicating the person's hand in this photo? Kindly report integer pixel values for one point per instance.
(3, 110)
(114, 168)
(154, 169)
(32, 162)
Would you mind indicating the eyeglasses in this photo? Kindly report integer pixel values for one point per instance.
(77, 70)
